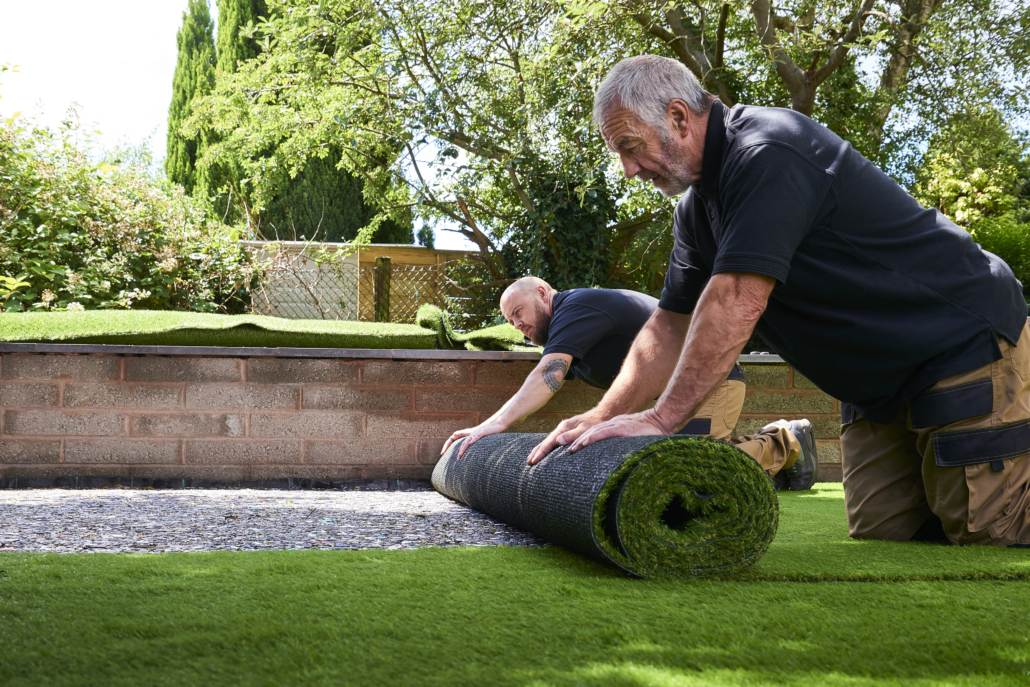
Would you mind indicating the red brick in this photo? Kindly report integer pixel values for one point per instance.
(539, 422)
(119, 395)
(415, 372)
(360, 452)
(56, 422)
(242, 452)
(417, 426)
(797, 403)
(429, 452)
(178, 369)
(350, 398)
(241, 396)
(86, 368)
(42, 451)
(576, 400)
(187, 425)
(457, 400)
(330, 473)
(108, 451)
(306, 424)
(28, 395)
(511, 374)
(767, 376)
(829, 451)
(300, 370)
(830, 472)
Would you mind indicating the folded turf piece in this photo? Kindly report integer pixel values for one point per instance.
(680, 506)
(502, 337)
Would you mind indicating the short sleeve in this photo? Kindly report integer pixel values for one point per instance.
(770, 197)
(575, 329)
(687, 274)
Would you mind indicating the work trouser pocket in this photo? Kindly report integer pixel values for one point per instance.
(968, 495)
(848, 414)
(947, 405)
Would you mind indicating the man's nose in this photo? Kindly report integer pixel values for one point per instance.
(629, 166)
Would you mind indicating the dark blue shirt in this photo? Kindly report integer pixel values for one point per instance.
(597, 327)
(876, 298)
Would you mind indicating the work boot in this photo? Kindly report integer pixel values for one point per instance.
(780, 481)
(803, 473)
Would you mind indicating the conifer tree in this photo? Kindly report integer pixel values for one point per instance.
(194, 76)
(233, 48)
(326, 203)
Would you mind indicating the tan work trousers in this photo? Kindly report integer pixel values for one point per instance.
(959, 450)
(774, 449)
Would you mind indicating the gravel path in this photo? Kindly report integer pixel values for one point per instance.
(141, 520)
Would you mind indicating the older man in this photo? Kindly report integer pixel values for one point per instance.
(587, 333)
(883, 304)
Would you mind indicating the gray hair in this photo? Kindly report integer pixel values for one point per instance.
(645, 85)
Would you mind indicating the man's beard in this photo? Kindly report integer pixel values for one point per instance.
(541, 330)
(675, 178)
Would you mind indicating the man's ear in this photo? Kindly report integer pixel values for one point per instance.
(679, 114)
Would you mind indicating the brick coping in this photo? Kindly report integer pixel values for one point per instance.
(244, 352)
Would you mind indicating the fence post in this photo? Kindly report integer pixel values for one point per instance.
(382, 289)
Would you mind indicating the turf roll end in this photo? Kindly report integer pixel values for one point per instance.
(680, 506)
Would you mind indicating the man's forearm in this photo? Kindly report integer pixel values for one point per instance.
(649, 365)
(541, 384)
(723, 321)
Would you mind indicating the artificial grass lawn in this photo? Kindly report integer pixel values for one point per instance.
(165, 328)
(485, 616)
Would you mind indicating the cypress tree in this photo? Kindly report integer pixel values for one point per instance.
(194, 76)
(326, 203)
(233, 48)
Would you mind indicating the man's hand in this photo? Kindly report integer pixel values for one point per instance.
(635, 425)
(565, 433)
(474, 434)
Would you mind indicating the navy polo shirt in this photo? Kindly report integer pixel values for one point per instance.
(876, 297)
(597, 327)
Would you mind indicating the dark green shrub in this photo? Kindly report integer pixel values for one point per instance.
(109, 234)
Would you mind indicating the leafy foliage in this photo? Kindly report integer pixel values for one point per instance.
(475, 116)
(325, 203)
(194, 76)
(82, 235)
(489, 117)
(978, 173)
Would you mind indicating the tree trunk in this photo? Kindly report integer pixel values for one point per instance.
(904, 52)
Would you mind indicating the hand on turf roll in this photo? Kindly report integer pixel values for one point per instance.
(474, 434)
(642, 424)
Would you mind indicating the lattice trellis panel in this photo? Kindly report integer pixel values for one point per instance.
(348, 293)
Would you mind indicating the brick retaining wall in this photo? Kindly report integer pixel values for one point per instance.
(229, 419)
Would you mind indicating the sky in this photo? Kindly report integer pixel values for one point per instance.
(113, 58)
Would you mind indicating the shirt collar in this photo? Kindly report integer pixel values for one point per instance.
(715, 139)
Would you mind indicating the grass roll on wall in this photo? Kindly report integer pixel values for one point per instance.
(682, 506)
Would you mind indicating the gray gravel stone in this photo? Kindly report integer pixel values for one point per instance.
(161, 521)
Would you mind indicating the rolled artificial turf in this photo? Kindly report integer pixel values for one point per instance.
(653, 506)
(166, 328)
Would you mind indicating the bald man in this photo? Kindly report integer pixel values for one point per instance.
(587, 333)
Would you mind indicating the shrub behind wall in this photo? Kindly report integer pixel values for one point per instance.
(108, 234)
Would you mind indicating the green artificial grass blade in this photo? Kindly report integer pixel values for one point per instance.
(166, 328)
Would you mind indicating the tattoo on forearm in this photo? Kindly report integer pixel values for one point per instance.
(554, 374)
